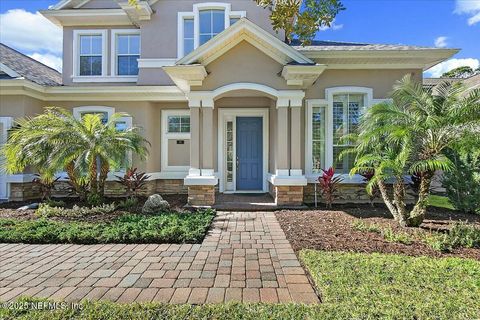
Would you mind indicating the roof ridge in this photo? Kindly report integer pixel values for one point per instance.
(32, 59)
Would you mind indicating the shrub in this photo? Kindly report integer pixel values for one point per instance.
(164, 228)
(128, 203)
(329, 186)
(461, 235)
(462, 183)
(359, 225)
(398, 237)
(55, 203)
(46, 211)
(133, 181)
(45, 185)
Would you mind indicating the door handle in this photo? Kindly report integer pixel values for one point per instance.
(237, 163)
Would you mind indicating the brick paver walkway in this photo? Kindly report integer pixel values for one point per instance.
(244, 257)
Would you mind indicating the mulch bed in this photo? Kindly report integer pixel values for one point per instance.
(9, 209)
(332, 230)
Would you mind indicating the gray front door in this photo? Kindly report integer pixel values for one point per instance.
(249, 153)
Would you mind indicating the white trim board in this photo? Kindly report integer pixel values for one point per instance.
(230, 114)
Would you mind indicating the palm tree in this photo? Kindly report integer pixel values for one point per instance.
(85, 148)
(410, 136)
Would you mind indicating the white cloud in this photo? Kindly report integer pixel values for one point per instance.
(470, 8)
(30, 32)
(333, 26)
(50, 60)
(441, 42)
(448, 65)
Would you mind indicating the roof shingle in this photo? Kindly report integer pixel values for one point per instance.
(29, 68)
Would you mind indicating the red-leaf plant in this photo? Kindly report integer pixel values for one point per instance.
(133, 181)
(329, 185)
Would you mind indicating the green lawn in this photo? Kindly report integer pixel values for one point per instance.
(353, 286)
(396, 286)
(162, 228)
(439, 201)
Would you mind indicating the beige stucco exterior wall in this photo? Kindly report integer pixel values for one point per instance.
(380, 80)
(17, 106)
(243, 63)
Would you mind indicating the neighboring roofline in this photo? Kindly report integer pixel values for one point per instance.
(90, 93)
(34, 60)
(63, 3)
(221, 41)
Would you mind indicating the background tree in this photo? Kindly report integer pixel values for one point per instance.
(411, 135)
(301, 18)
(461, 72)
(86, 149)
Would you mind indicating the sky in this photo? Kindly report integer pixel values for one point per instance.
(433, 23)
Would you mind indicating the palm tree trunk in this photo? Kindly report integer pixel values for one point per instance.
(418, 212)
(399, 199)
(104, 170)
(386, 198)
(93, 175)
(70, 168)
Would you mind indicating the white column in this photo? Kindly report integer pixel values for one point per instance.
(282, 155)
(194, 141)
(295, 140)
(207, 140)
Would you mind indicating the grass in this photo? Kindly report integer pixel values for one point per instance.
(353, 286)
(375, 286)
(162, 228)
(440, 201)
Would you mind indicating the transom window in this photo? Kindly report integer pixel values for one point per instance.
(103, 115)
(179, 124)
(212, 22)
(347, 109)
(128, 53)
(91, 55)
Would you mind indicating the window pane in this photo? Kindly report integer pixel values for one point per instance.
(204, 38)
(122, 44)
(206, 21)
(85, 44)
(96, 44)
(121, 126)
(134, 44)
(187, 46)
(128, 65)
(90, 66)
(218, 21)
(318, 138)
(188, 28)
(233, 20)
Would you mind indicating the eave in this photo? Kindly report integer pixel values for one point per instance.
(88, 17)
(91, 93)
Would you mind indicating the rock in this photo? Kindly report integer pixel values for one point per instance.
(155, 204)
(30, 206)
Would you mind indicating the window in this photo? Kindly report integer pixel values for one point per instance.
(128, 52)
(188, 36)
(90, 55)
(175, 155)
(347, 109)
(202, 24)
(103, 115)
(90, 58)
(179, 124)
(212, 22)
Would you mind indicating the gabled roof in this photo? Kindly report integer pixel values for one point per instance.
(320, 45)
(245, 30)
(14, 65)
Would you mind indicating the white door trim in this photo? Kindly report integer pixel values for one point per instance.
(7, 123)
(225, 114)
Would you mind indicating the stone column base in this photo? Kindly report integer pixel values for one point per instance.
(289, 195)
(201, 196)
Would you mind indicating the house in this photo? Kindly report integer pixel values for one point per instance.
(226, 105)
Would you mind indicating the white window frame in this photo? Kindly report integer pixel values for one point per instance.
(195, 15)
(172, 136)
(328, 104)
(114, 53)
(76, 51)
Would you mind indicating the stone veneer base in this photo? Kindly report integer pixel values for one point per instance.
(289, 195)
(202, 196)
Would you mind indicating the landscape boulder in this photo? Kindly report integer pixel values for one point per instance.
(155, 204)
